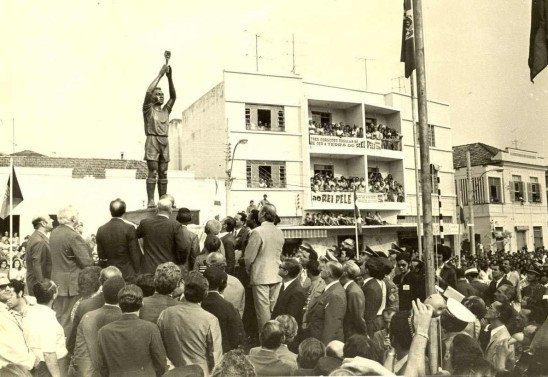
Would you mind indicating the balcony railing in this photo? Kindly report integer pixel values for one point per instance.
(348, 198)
(355, 142)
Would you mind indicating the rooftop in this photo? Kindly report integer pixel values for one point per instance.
(480, 154)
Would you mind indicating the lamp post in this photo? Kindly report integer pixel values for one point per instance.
(229, 177)
(471, 200)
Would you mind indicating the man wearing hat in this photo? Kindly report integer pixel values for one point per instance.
(453, 320)
(531, 295)
(472, 274)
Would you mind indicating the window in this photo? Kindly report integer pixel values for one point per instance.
(321, 118)
(516, 189)
(495, 192)
(534, 191)
(432, 134)
(264, 118)
(326, 170)
(266, 174)
(537, 237)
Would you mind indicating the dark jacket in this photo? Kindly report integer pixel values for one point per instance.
(131, 347)
(326, 315)
(154, 305)
(241, 238)
(490, 297)
(291, 301)
(465, 288)
(117, 245)
(229, 242)
(38, 258)
(232, 328)
(354, 322)
(162, 242)
(70, 254)
(408, 289)
(84, 307)
(480, 287)
(267, 363)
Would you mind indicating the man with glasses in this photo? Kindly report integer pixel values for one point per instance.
(406, 282)
(13, 347)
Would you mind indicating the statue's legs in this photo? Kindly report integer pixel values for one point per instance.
(162, 178)
(151, 182)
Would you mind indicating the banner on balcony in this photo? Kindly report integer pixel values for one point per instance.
(346, 198)
(334, 141)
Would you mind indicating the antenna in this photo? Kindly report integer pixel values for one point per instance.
(365, 67)
(399, 84)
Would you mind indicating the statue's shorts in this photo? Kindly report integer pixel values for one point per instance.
(157, 148)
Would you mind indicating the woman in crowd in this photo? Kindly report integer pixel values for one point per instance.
(17, 272)
(4, 268)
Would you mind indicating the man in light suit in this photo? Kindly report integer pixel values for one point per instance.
(192, 243)
(495, 333)
(326, 316)
(85, 359)
(354, 322)
(162, 239)
(292, 298)
(69, 255)
(38, 255)
(117, 242)
(262, 258)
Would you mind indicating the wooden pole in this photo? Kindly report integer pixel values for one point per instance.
(470, 204)
(417, 178)
(426, 176)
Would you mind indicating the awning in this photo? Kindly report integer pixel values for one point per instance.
(521, 228)
(299, 232)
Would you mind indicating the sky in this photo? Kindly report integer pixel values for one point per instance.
(73, 74)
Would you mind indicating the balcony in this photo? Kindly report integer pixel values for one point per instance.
(345, 201)
(324, 144)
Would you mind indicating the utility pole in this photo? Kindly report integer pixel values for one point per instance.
(293, 51)
(471, 201)
(426, 176)
(416, 158)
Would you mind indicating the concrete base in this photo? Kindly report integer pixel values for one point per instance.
(140, 214)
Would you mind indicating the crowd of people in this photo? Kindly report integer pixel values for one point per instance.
(326, 182)
(334, 129)
(328, 218)
(161, 301)
(386, 185)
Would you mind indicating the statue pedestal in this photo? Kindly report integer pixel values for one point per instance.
(140, 214)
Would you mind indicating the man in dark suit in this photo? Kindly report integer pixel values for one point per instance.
(326, 315)
(407, 281)
(94, 302)
(191, 241)
(117, 242)
(266, 361)
(163, 239)
(354, 322)
(38, 255)
(375, 291)
(472, 274)
(69, 255)
(241, 232)
(499, 279)
(232, 328)
(131, 346)
(229, 243)
(292, 297)
(463, 286)
(86, 350)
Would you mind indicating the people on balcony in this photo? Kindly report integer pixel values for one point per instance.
(327, 218)
(325, 182)
(389, 137)
(334, 129)
(388, 185)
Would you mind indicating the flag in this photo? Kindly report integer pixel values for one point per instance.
(17, 196)
(357, 217)
(538, 45)
(408, 39)
(461, 215)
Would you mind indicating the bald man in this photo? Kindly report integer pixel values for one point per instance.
(163, 239)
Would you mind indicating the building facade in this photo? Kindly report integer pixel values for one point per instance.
(510, 210)
(301, 143)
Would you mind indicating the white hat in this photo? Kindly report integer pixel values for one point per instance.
(459, 311)
(472, 270)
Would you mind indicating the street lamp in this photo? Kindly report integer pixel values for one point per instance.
(229, 175)
(471, 200)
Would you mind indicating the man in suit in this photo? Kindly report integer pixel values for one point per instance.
(463, 286)
(192, 243)
(292, 297)
(117, 243)
(376, 292)
(131, 346)
(234, 291)
(241, 233)
(499, 279)
(229, 243)
(326, 316)
(94, 302)
(472, 274)
(162, 239)
(38, 255)
(354, 322)
(85, 359)
(406, 281)
(495, 333)
(166, 280)
(232, 328)
(262, 258)
(69, 255)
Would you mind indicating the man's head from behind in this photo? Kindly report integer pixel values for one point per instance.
(216, 259)
(310, 351)
(89, 280)
(130, 298)
(212, 243)
(216, 278)
(267, 213)
(184, 216)
(167, 278)
(229, 224)
(351, 270)
(108, 272)
(361, 345)
(42, 221)
(196, 287)
(111, 287)
(68, 216)
(271, 335)
(117, 207)
(165, 206)
(213, 227)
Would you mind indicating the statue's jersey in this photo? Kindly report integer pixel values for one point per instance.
(156, 121)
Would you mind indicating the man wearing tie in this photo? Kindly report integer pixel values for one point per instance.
(291, 299)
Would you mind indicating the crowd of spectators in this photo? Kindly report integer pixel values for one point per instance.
(328, 218)
(334, 129)
(244, 305)
(326, 182)
(388, 185)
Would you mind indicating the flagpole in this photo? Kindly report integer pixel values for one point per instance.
(416, 157)
(356, 224)
(11, 189)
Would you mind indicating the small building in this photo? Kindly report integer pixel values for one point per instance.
(274, 136)
(510, 210)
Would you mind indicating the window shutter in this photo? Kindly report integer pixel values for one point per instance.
(539, 191)
(529, 192)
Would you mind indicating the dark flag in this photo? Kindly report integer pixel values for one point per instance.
(408, 39)
(17, 196)
(538, 45)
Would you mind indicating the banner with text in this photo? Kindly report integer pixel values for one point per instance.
(346, 197)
